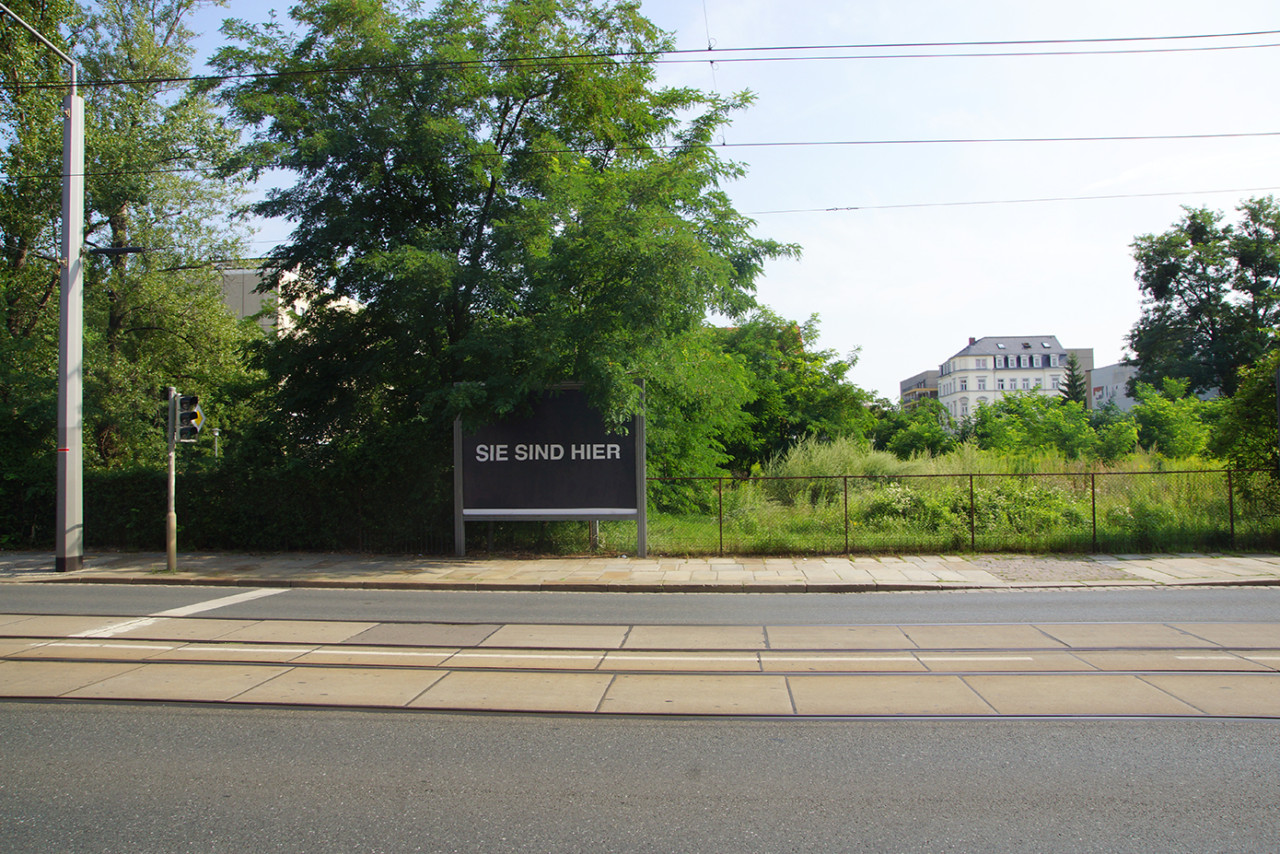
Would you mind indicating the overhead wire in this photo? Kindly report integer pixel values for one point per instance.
(699, 55)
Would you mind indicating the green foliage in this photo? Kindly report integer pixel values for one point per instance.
(1248, 435)
(1031, 423)
(1210, 296)
(1169, 422)
(796, 391)
(1075, 382)
(502, 225)
(923, 429)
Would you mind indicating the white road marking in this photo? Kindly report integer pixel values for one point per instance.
(1206, 657)
(112, 645)
(112, 629)
(782, 656)
(976, 657)
(197, 608)
(530, 655)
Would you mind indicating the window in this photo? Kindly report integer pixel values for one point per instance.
(1035, 360)
(982, 383)
(1053, 381)
(964, 383)
(1044, 344)
(999, 383)
(1053, 360)
(980, 363)
(1039, 382)
(1026, 384)
(1022, 361)
(999, 346)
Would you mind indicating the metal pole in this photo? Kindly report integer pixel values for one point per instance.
(171, 518)
(70, 511)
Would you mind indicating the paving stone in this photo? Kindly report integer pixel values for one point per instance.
(619, 660)
(779, 661)
(1013, 660)
(837, 637)
(979, 637)
(54, 678)
(697, 694)
(424, 634)
(557, 637)
(504, 691)
(531, 659)
(924, 694)
(196, 682)
(110, 649)
(377, 656)
(1236, 635)
(1224, 693)
(314, 631)
(1113, 635)
(343, 686)
(695, 637)
(1076, 694)
(184, 628)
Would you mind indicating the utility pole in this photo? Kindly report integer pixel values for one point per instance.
(70, 535)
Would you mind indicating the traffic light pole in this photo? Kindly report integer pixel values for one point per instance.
(171, 520)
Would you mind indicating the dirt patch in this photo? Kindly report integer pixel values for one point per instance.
(1049, 569)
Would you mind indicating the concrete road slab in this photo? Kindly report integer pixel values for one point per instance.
(979, 637)
(1121, 635)
(107, 648)
(1160, 659)
(885, 695)
(182, 628)
(969, 662)
(299, 631)
(1236, 635)
(1224, 693)
(54, 678)
(772, 661)
(274, 653)
(424, 634)
(506, 691)
(711, 660)
(697, 694)
(343, 686)
(695, 637)
(837, 637)
(526, 659)
(7, 619)
(195, 682)
(12, 646)
(374, 656)
(557, 637)
(59, 627)
(1076, 694)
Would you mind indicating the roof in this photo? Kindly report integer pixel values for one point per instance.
(998, 345)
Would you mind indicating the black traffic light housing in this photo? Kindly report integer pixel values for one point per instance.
(190, 418)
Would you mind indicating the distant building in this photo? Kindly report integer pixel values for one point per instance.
(239, 292)
(992, 367)
(922, 386)
(1110, 384)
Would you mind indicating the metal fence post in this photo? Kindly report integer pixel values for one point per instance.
(1093, 503)
(973, 527)
(720, 510)
(846, 513)
(1231, 508)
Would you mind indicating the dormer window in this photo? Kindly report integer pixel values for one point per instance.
(1000, 346)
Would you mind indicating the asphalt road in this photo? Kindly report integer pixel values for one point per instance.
(155, 778)
(1240, 604)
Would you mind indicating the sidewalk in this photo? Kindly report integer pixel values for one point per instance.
(661, 574)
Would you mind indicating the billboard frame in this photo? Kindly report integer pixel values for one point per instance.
(462, 514)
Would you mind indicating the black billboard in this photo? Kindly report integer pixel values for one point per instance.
(559, 461)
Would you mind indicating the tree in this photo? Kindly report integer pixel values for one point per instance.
(1029, 422)
(1169, 421)
(923, 428)
(1210, 296)
(797, 391)
(1075, 384)
(502, 193)
(1248, 435)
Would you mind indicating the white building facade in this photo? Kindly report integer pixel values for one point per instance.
(991, 367)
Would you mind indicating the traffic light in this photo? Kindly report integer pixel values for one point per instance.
(190, 417)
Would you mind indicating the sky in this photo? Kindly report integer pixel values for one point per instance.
(897, 261)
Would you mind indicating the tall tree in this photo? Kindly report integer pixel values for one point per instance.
(499, 190)
(1210, 296)
(1075, 385)
(798, 390)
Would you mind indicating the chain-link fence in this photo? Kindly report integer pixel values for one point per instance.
(1114, 512)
